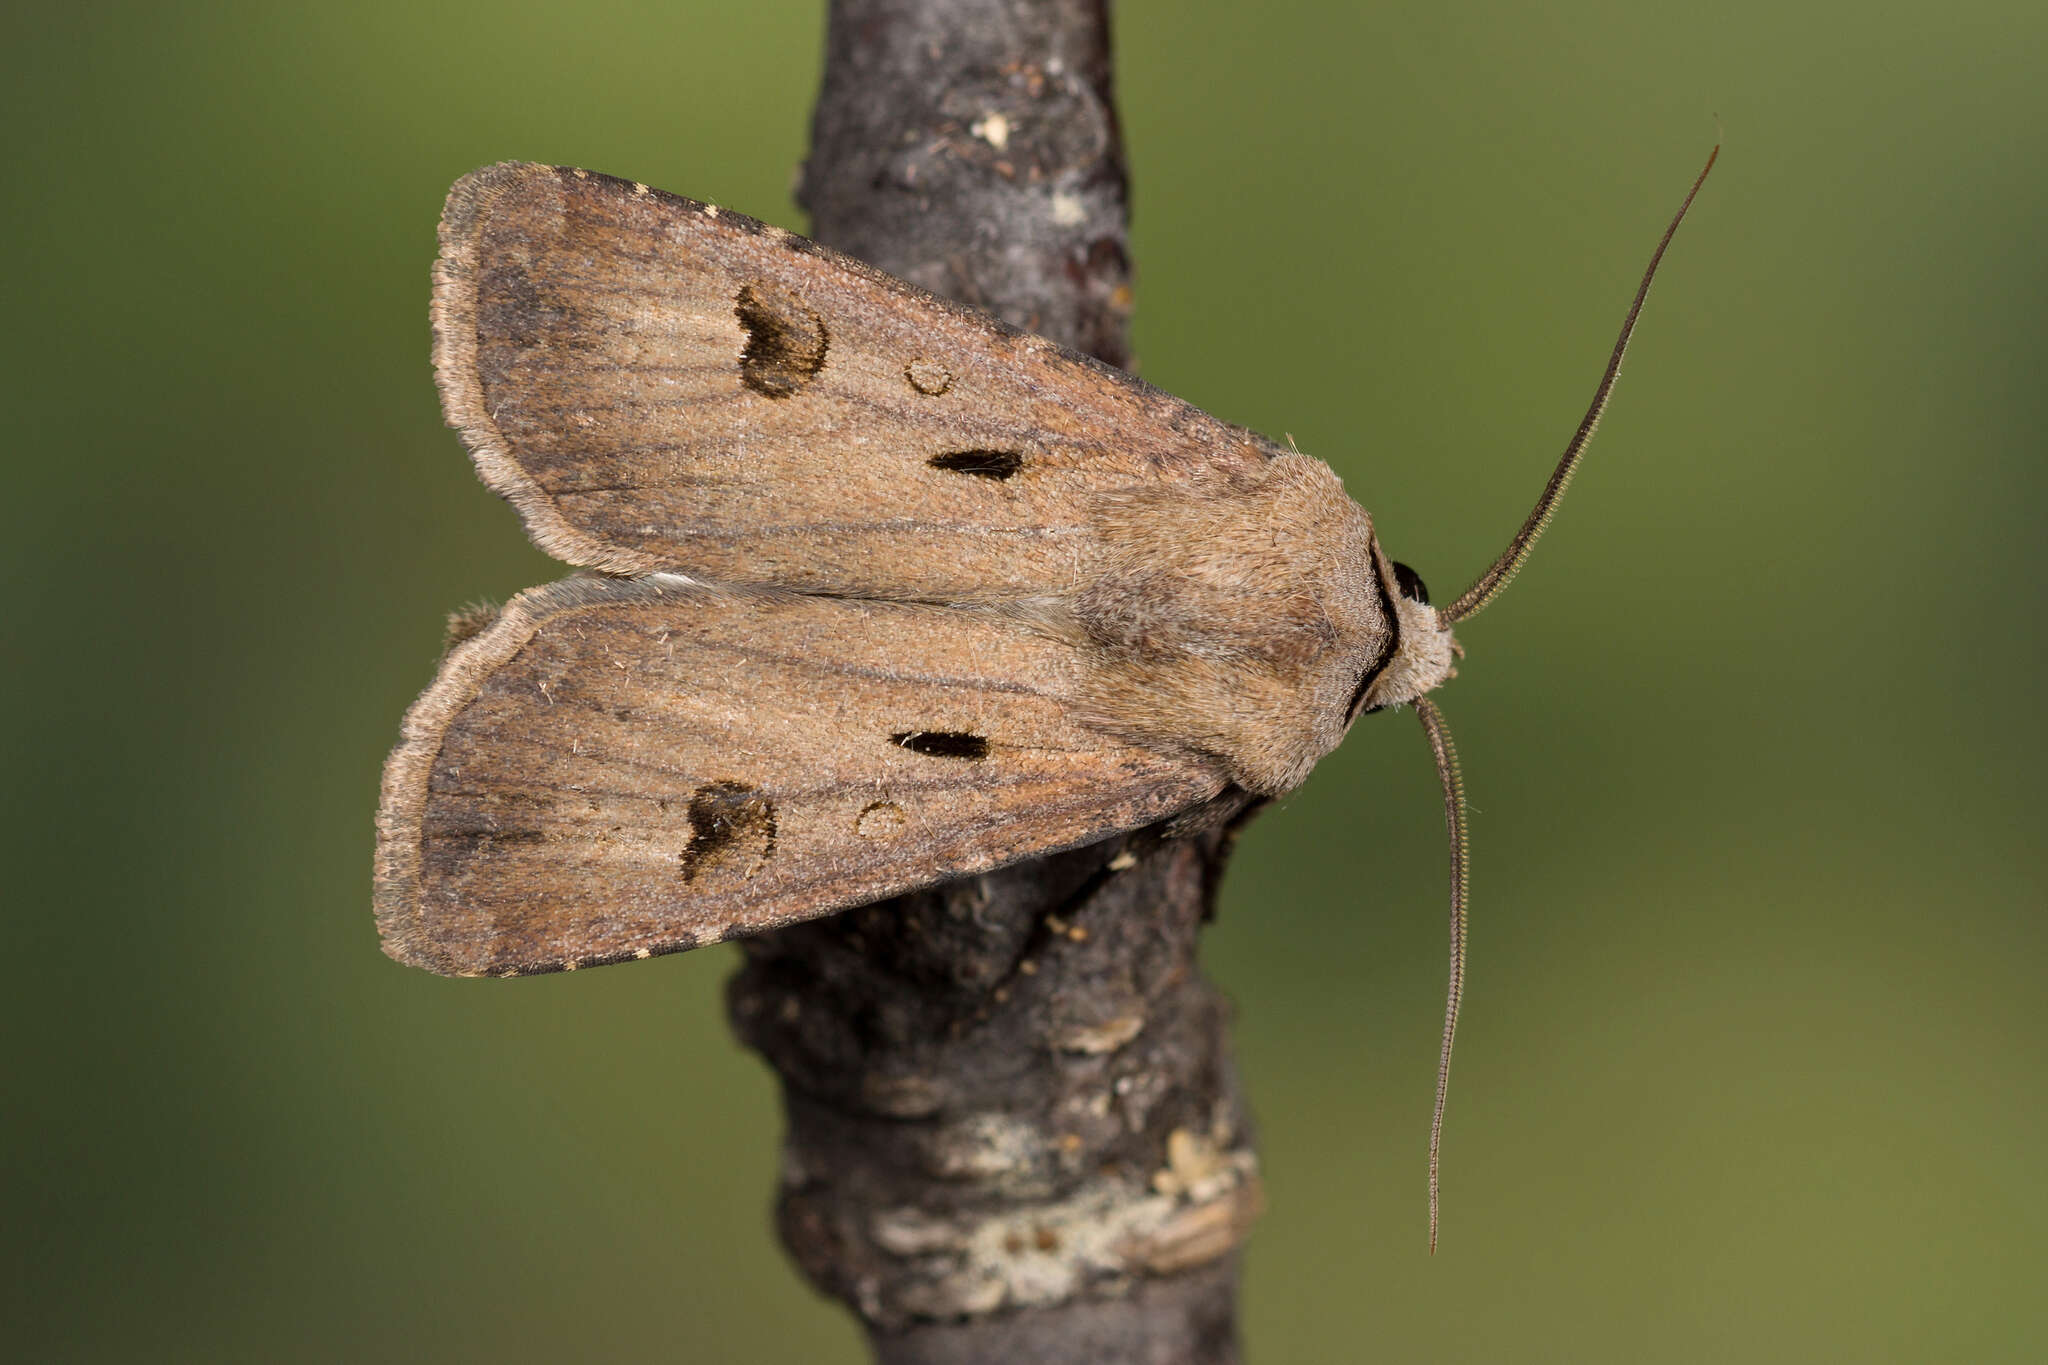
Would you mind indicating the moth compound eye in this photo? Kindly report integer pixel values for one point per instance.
(1410, 583)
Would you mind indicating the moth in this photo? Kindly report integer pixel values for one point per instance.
(877, 591)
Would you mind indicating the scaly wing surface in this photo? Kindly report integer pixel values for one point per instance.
(659, 384)
(618, 768)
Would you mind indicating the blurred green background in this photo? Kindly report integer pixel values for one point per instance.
(1753, 1066)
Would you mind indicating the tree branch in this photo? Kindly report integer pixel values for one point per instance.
(1014, 1129)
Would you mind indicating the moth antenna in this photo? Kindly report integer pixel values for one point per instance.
(1454, 823)
(1509, 564)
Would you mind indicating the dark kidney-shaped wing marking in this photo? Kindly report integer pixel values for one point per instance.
(615, 769)
(659, 384)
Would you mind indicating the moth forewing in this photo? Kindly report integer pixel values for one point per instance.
(621, 768)
(657, 383)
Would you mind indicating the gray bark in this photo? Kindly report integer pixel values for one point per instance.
(1014, 1129)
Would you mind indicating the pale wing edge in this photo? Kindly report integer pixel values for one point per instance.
(462, 396)
(400, 915)
(401, 920)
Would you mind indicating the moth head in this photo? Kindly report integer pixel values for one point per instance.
(1424, 654)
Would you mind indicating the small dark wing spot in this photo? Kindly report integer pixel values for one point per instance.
(785, 341)
(730, 823)
(988, 464)
(942, 743)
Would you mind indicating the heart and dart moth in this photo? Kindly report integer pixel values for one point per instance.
(877, 591)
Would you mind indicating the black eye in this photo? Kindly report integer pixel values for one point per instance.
(1410, 583)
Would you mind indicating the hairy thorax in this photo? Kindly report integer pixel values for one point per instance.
(1237, 619)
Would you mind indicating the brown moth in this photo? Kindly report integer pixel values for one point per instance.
(882, 592)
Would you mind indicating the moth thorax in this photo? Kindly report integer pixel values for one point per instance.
(1422, 662)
